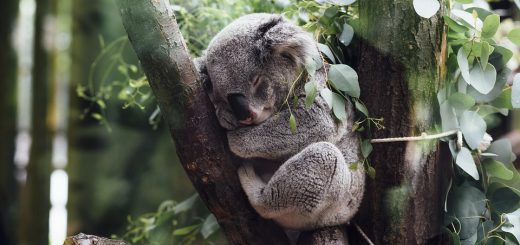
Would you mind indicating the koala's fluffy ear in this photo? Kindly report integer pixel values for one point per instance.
(279, 37)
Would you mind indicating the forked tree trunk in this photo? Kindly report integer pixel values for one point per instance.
(401, 69)
(402, 206)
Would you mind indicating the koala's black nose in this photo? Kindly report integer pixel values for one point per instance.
(239, 106)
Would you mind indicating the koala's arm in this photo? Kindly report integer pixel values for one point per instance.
(273, 138)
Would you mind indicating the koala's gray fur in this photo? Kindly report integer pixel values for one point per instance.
(259, 56)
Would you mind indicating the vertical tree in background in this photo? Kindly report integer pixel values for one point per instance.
(401, 68)
(35, 203)
(8, 190)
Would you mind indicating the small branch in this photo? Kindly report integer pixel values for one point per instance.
(363, 234)
(81, 239)
(423, 136)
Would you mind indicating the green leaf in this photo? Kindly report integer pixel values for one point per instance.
(209, 226)
(503, 198)
(462, 60)
(448, 117)
(461, 102)
(500, 57)
(497, 169)
(464, 1)
(467, 19)
(292, 123)
(346, 35)
(453, 25)
(310, 93)
(494, 93)
(185, 230)
(345, 79)
(366, 148)
(341, 2)
(326, 94)
(490, 26)
(97, 116)
(513, 224)
(465, 162)
(360, 107)
(467, 204)
(503, 100)
(502, 148)
(473, 128)
(485, 51)
(338, 107)
(426, 8)
(514, 36)
(185, 205)
(326, 51)
(515, 92)
(371, 172)
(483, 80)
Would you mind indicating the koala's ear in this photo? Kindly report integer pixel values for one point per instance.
(200, 65)
(280, 38)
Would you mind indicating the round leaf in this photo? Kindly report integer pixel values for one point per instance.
(483, 80)
(462, 60)
(426, 8)
(515, 92)
(490, 26)
(498, 169)
(345, 79)
(473, 127)
(514, 36)
(346, 35)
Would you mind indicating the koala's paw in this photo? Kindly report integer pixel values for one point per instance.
(249, 180)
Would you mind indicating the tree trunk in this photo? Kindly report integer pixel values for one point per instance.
(201, 143)
(35, 203)
(403, 62)
(8, 13)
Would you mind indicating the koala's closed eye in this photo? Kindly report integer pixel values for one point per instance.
(260, 87)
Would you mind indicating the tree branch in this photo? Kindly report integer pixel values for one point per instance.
(201, 143)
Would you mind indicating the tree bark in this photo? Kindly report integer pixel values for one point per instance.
(8, 69)
(35, 199)
(201, 143)
(403, 62)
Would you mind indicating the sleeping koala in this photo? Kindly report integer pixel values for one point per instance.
(248, 70)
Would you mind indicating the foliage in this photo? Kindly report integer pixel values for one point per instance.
(482, 205)
(331, 23)
(166, 227)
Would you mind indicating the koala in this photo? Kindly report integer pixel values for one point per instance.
(248, 70)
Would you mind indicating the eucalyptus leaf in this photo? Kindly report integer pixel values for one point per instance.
(500, 57)
(338, 106)
(346, 34)
(326, 94)
(345, 79)
(497, 169)
(341, 2)
(473, 128)
(467, 19)
(485, 51)
(513, 224)
(185, 205)
(465, 161)
(360, 107)
(462, 60)
(366, 148)
(490, 26)
(461, 102)
(185, 230)
(514, 36)
(209, 226)
(310, 93)
(503, 149)
(503, 100)
(483, 80)
(326, 50)
(455, 26)
(494, 93)
(292, 123)
(448, 117)
(467, 204)
(515, 91)
(426, 8)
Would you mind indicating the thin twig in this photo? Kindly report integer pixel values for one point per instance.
(363, 234)
(424, 136)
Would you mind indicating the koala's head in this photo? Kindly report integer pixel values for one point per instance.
(251, 65)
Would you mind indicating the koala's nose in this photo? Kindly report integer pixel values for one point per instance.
(239, 106)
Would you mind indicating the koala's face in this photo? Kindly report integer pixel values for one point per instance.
(251, 65)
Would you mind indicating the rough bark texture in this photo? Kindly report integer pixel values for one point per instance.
(83, 239)
(8, 185)
(35, 203)
(400, 71)
(201, 143)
